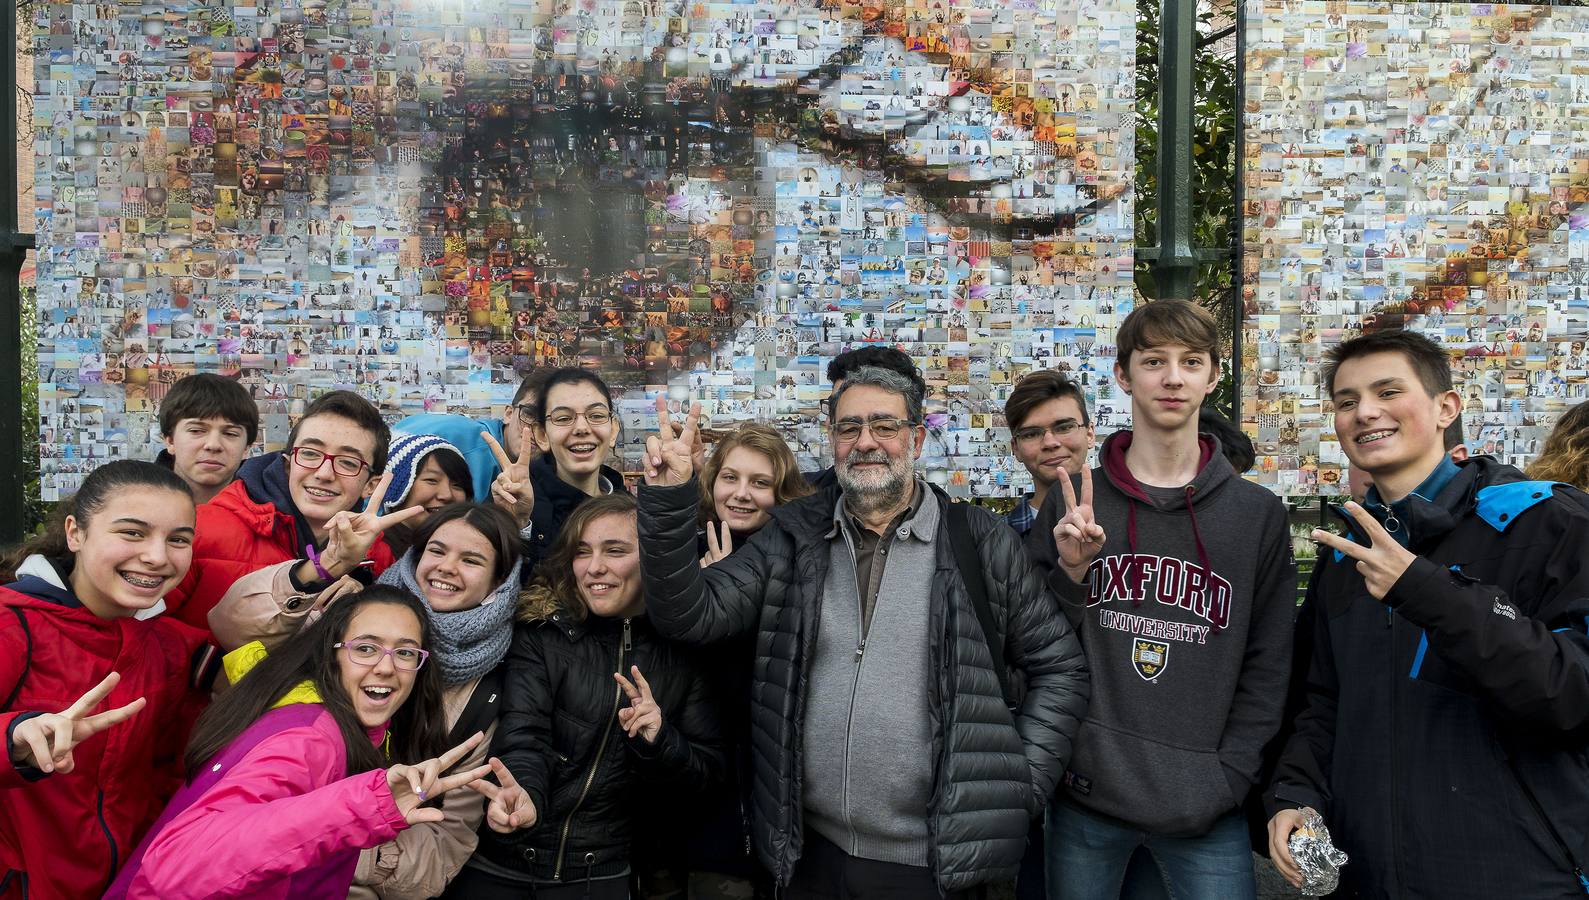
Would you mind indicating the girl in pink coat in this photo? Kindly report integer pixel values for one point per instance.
(291, 773)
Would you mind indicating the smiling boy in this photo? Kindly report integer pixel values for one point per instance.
(1447, 698)
(1178, 576)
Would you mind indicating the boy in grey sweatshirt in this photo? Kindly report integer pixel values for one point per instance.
(1178, 576)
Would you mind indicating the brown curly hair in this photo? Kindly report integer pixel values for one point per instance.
(553, 589)
(787, 481)
(1566, 454)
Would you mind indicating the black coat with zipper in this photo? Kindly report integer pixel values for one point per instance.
(1445, 726)
(979, 812)
(555, 501)
(559, 736)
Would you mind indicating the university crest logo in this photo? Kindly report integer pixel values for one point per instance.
(1150, 657)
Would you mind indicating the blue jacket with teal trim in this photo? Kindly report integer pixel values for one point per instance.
(1445, 727)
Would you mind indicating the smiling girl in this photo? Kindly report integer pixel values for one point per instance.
(580, 428)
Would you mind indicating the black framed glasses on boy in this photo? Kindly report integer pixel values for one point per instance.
(1032, 433)
(849, 430)
(528, 413)
(369, 653)
(341, 463)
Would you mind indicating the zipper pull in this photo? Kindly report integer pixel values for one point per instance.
(860, 651)
(628, 642)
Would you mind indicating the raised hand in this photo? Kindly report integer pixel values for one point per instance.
(669, 452)
(642, 716)
(45, 742)
(1078, 536)
(350, 535)
(510, 807)
(512, 489)
(414, 785)
(717, 548)
(1382, 563)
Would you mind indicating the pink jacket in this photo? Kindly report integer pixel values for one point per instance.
(274, 815)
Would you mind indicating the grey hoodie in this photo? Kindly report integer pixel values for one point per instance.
(1186, 619)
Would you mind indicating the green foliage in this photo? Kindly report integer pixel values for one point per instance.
(34, 510)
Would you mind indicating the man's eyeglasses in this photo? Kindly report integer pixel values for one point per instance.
(368, 653)
(310, 458)
(848, 432)
(563, 418)
(1033, 433)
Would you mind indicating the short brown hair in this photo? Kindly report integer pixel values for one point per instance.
(787, 481)
(1429, 362)
(357, 410)
(1036, 388)
(208, 396)
(1163, 322)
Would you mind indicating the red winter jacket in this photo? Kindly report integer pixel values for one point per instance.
(67, 834)
(248, 526)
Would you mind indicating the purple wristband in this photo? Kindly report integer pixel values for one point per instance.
(314, 560)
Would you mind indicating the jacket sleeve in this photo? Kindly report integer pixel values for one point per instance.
(686, 602)
(422, 860)
(524, 730)
(1040, 644)
(261, 606)
(689, 749)
(1532, 666)
(265, 820)
(1260, 697)
(1302, 773)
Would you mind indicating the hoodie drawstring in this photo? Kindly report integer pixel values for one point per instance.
(1202, 552)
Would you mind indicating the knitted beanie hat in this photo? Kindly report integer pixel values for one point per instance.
(407, 454)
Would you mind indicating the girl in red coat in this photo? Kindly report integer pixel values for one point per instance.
(95, 705)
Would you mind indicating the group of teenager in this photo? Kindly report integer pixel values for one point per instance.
(459, 658)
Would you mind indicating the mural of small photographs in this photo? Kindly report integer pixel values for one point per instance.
(1420, 165)
(421, 200)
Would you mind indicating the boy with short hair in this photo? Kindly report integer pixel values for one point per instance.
(1446, 709)
(1178, 576)
(208, 423)
(1050, 434)
(282, 504)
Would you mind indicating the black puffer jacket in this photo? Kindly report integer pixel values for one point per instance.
(555, 501)
(560, 738)
(773, 587)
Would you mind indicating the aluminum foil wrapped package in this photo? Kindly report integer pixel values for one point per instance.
(1317, 858)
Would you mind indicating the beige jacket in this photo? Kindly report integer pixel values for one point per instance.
(263, 606)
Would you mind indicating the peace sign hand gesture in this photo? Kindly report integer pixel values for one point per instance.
(510, 807)
(642, 716)
(669, 453)
(45, 742)
(350, 535)
(1382, 563)
(416, 784)
(512, 489)
(1078, 536)
(717, 548)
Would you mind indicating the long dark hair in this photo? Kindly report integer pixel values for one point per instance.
(121, 474)
(417, 732)
(492, 523)
(554, 588)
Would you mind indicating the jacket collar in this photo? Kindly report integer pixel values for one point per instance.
(53, 573)
(264, 480)
(1434, 509)
(543, 471)
(1212, 470)
(921, 517)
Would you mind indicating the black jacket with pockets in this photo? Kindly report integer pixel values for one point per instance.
(772, 587)
(559, 736)
(1445, 728)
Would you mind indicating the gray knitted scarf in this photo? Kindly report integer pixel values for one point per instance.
(470, 642)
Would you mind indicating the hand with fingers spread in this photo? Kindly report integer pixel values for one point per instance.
(413, 786)
(642, 717)
(1382, 563)
(350, 535)
(510, 807)
(670, 452)
(512, 489)
(717, 547)
(45, 742)
(1078, 536)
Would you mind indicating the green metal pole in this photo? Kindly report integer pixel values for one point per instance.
(13, 253)
(1176, 264)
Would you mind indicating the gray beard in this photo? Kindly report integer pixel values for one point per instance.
(863, 496)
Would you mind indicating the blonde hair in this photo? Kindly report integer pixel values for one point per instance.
(787, 481)
(1566, 454)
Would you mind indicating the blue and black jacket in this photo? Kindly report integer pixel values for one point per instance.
(1444, 730)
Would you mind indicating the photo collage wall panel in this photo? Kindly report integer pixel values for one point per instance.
(1422, 165)
(421, 200)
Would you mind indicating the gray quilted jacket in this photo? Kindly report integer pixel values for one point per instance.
(992, 772)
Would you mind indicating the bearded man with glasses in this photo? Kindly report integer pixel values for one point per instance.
(902, 744)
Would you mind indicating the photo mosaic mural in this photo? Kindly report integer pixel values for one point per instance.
(1417, 164)
(423, 199)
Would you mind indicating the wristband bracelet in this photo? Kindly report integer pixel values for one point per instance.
(314, 560)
